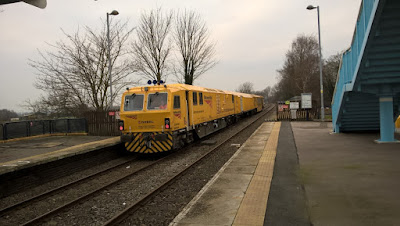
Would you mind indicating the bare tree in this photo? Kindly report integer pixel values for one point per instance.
(246, 87)
(74, 74)
(300, 72)
(266, 93)
(152, 48)
(196, 52)
(330, 72)
(37, 106)
(6, 115)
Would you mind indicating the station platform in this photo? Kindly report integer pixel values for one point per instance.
(286, 173)
(22, 153)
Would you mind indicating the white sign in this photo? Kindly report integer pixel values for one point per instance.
(294, 105)
(306, 100)
(293, 113)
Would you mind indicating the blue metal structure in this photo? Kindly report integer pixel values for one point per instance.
(367, 93)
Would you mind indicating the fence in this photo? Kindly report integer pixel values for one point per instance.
(102, 123)
(13, 130)
(300, 115)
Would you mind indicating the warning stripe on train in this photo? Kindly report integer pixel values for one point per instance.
(139, 145)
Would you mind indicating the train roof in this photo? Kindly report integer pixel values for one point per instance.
(178, 87)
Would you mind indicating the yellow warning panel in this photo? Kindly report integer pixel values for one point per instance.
(254, 204)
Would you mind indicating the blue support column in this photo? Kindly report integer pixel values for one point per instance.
(386, 120)
(336, 126)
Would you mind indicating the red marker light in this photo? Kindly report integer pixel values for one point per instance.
(121, 125)
(167, 123)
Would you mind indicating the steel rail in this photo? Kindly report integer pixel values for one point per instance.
(58, 189)
(117, 219)
(88, 195)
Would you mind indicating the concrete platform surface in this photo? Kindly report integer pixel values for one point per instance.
(348, 178)
(287, 203)
(19, 154)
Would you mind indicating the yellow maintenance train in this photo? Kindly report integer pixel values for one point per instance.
(160, 118)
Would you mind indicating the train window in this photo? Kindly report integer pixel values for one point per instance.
(201, 98)
(177, 102)
(194, 98)
(233, 99)
(157, 101)
(133, 102)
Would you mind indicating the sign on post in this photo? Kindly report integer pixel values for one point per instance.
(306, 100)
(294, 105)
(293, 114)
(282, 107)
(293, 109)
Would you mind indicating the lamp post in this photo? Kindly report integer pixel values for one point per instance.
(310, 7)
(114, 13)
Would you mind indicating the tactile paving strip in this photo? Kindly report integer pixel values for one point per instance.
(254, 204)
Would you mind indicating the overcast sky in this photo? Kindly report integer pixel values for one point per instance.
(252, 36)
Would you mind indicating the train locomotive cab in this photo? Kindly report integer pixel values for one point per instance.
(145, 123)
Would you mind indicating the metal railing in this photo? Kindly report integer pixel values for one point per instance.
(11, 130)
(351, 58)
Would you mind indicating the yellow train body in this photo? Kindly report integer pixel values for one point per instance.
(163, 117)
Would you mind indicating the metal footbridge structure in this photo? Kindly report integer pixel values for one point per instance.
(367, 93)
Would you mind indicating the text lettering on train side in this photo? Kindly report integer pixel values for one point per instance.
(132, 116)
(146, 122)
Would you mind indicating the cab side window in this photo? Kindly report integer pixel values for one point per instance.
(201, 98)
(177, 102)
(194, 98)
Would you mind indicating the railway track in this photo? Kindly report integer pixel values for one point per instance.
(50, 193)
(121, 216)
(58, 189)
(90, 194)
(40, 219)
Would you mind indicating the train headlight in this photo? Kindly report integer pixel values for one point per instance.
(121, 125)
(167, 123)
